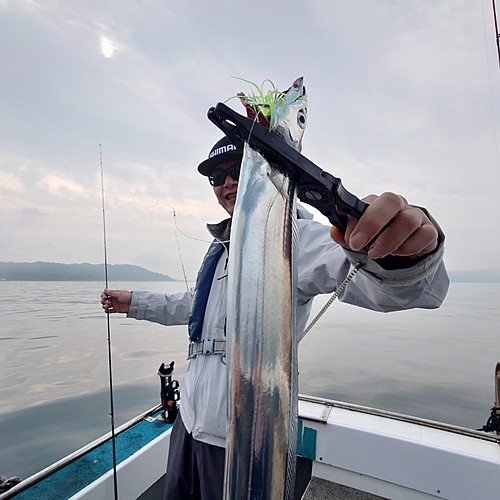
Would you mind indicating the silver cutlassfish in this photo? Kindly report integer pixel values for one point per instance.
(261, 336)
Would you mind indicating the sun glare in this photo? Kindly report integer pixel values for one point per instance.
(107, 47)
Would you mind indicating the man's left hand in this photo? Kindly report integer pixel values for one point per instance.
(409, 232)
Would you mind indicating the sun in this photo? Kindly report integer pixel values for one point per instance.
(107, 47)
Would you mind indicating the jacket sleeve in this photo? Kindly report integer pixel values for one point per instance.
(166, 309)
(323, 266)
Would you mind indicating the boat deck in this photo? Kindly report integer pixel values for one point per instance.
(320, 489)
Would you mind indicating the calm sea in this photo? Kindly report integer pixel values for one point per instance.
(54, 367)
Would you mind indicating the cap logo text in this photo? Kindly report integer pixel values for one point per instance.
(222, 149)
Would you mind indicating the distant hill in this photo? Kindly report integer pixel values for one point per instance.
(478, 276)
(51, 271)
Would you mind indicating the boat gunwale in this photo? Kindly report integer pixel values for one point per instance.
(397, 416)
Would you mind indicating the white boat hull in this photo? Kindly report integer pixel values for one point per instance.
(394, 456)
(378, 452)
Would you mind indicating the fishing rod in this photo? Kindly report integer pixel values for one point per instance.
(112, 406)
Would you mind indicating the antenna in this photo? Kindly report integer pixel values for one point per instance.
(112, 413)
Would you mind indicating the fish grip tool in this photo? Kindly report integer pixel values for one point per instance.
(315, 187)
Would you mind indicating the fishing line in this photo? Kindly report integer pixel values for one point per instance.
(178, 246)
(157, 201)
(335, 294)
(112, 406)
(176, 228)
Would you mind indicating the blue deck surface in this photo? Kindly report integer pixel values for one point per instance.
(67, 481)
(72, 478)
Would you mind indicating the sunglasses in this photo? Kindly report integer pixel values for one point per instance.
(219, 177)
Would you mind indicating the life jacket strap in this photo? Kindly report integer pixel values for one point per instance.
(206, 347)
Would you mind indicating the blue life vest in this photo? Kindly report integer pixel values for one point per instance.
(202, 289)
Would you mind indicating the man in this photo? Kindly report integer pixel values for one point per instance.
(404, 270)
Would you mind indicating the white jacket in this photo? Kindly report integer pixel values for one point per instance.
(322, 267)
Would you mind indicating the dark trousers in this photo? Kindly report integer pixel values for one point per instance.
(195, 470)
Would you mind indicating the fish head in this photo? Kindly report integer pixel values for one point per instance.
(290, 116)
(284, 113)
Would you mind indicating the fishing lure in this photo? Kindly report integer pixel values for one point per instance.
(284, 113)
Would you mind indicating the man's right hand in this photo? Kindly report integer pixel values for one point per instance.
(116, 301)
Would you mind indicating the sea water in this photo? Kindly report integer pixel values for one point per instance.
(54, 371)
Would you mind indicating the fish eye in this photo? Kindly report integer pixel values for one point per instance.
(301, 119)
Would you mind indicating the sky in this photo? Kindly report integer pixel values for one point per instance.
(404, 96)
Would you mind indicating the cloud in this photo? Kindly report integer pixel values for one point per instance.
(10, 182)
(58, 186)
(397, 101)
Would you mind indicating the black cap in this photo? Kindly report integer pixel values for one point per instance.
(223, 150)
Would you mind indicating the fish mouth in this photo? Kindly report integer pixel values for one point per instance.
(287, 135)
